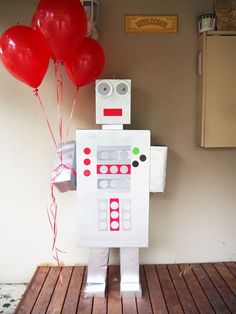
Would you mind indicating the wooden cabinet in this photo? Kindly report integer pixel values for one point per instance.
(217, 89)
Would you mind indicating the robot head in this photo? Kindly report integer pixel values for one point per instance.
(113, 100)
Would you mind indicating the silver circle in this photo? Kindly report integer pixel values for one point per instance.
(102, 225)
(122, 88)
(114, 155)
(104, 155)
(126, 216)
(102, 215)
(113, 169)
(104, 89)
(114, 184)
(124, 169)
(124, 155)
(103, 184)
(114, 214)
(126, 206)
(102, 205)
(115, 225)
(103, 169)
(114, 205)
(127, 225)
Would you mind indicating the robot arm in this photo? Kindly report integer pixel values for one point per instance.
(64, 170)
(158, 159)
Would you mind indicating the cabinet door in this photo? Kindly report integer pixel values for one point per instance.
(220, 92)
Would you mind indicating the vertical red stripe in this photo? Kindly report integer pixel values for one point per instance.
(116, 210)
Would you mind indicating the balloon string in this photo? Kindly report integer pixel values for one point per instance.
(36, 94)
(52, 217)
(72, 113)
(59, 97)
(52, 211)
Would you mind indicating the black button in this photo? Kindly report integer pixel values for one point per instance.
(142, 157)
(135, 163)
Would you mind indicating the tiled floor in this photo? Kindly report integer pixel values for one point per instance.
(10, 295)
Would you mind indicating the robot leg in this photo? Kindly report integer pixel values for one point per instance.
(97, 270)
(129, 263)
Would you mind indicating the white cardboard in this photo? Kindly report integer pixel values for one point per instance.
(65, 179)
(113, 100)
(96, 190)
(158, 168)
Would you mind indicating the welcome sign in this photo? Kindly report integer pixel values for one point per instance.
(151, 23)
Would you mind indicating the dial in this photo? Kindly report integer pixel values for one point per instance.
(104, 89)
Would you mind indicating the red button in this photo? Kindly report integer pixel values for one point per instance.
(87, 162)
(87, 150)
(87, 173)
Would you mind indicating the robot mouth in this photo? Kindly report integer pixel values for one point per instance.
(112, 112)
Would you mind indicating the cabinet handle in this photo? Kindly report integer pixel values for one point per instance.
(200, 63)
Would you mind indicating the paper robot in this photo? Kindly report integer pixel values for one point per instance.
(116, 170)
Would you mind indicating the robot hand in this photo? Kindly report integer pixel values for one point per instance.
(64, 170)
(158, 159)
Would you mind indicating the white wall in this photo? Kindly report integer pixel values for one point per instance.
(193, 221)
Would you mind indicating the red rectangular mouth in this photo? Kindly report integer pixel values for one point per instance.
(112, 112)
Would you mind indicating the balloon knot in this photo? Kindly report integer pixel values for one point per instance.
(36, 92)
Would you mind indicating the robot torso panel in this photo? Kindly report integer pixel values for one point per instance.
(113, 187)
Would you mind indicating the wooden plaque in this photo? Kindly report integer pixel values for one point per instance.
(151, 23)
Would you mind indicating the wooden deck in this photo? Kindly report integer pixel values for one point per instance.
(199, 288)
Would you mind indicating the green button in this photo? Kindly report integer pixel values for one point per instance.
(136, 150)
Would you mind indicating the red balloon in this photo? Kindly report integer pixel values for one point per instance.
(0, 49)
(24, 54)
(86, 62)
(61, 22)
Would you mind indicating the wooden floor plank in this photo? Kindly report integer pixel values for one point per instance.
(100, 305)
(114, 305)
(225, 292)
(182, 290)
(169, 292)
(73, 293)
(232, 267)
(155, 291)
(129, 306)
(196, 290)
(85, 305)
(45, 295)
(210, 290)
(59, 294)
(227, 276)
(144, 303)
(33, 289)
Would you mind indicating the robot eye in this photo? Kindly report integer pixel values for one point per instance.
(122, 89)
(104, 89)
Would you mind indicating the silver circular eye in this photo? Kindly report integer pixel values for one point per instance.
(104, 89)
(122, 88)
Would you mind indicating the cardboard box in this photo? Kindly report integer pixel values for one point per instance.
(64, 170)
(158, 168)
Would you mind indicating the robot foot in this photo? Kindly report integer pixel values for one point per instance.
(95, 290)
(130, 290)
